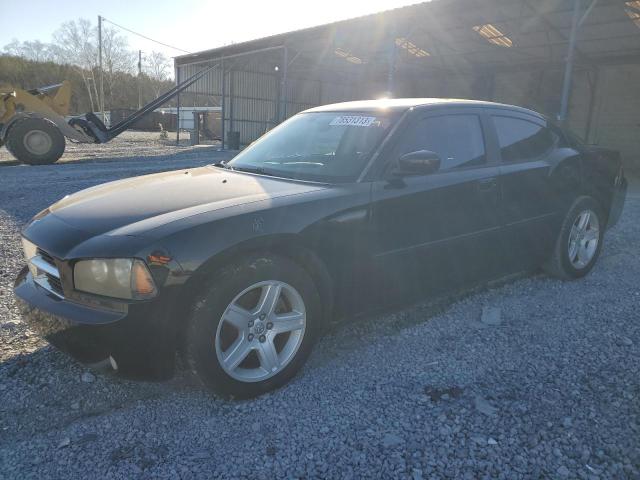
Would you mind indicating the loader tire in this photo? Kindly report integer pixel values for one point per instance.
(35, 141)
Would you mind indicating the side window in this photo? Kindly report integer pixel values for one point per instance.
(521, 140)
(457, 139)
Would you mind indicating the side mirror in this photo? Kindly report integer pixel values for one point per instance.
(421, 162)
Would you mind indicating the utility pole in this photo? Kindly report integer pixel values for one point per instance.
(101, 99)
(139, 79)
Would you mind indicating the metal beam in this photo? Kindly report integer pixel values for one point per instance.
(593, 84)
(236, 55)
(587, 12)
(566, 85)
(295, 57)
(543, 18)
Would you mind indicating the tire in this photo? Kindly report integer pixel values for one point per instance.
(563, 263)
(35, 141)
(8, 147)
(211, 333)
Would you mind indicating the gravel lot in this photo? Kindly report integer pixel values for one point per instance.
(543, 385)
(128, 144)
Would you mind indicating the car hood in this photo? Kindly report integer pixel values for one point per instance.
(168, 196)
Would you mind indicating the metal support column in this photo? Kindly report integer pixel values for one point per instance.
(592, 103)
(568, 70)
(178, 108)
(101, 98)
(231, 93)
(392, 68)
(222, 102)
(283, 85)
(139, 79)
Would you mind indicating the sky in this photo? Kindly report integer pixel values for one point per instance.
(191, 25)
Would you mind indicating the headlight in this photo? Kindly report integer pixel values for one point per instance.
(30, 251)
(119, 278)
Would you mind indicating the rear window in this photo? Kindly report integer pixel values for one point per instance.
(521, 140)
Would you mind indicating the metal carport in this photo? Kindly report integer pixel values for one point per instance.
(514, 51)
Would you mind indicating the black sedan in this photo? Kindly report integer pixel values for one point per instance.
(340, 209)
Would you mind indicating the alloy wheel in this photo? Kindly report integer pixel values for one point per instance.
(260, 331)
(583, 239)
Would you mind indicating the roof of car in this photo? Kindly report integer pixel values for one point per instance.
(399, 104)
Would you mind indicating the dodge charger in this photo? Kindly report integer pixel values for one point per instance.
(237, 267)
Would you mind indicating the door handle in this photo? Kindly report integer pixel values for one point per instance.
(487, 184)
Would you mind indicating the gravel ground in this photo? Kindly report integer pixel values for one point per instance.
(525, 378)
(128, 144)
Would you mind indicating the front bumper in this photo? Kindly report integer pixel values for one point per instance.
(139, 337)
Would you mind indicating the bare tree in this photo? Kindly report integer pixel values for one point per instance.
(157, 67)
(14, 48)
(75, 43)
(116, 59)
(116, 55)
(31, 50)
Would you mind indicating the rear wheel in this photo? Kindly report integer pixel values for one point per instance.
(254, 327)
(579, 242)
(35, 141)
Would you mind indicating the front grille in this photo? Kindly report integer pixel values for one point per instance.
(46, 257)
(55, 284)
(45, 273)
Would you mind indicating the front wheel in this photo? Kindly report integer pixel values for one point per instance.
(35, 141)
(254, 326)
(579, 242)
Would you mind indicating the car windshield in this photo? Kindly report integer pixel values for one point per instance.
(318, 146)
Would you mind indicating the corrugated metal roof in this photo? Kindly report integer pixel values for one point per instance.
(458, 34)
(280, 39)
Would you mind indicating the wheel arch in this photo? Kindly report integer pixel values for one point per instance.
(591, 173)
(4, 132)
(600, 170)
(290, 246)
(567, 175)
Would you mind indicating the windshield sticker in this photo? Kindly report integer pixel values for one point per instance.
(353, 121)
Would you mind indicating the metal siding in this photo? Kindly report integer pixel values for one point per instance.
(210, 84)
(617, 112)
(253, 91)
(253, 105)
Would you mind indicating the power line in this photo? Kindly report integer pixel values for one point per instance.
(143, 36)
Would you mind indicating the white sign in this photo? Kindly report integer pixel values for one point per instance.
(352, 121)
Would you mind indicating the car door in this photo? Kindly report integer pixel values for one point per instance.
(432, 231)
(527, 148)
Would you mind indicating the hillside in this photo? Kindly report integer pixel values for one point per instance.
(121, 89)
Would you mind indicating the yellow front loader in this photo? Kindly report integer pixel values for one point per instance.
(33, 125)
